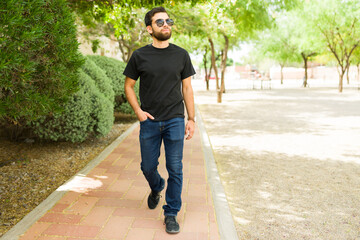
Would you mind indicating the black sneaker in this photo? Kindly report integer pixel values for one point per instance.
(172, 226)
(153, 199)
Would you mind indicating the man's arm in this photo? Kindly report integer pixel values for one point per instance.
(190, 108)
(131, 97)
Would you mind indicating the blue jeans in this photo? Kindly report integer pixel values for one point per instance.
(171, 132)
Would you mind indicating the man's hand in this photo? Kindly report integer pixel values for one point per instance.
(132, 99)
(189, 129)
(190, 108)
(142, 116)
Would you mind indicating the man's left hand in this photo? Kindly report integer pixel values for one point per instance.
(189, 129)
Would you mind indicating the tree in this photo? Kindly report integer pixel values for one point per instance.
(302, 35)
(129, 36)
(241, 20)
(119, 20)
(275, 44)
(189, 32)
(340, 27)
(197, 46)
(238, 21)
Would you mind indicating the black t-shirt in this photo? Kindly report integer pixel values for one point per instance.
(161, 71)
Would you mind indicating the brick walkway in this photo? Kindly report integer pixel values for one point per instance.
(110, 202)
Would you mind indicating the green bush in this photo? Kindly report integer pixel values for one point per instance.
(114, 70)
(102, 82)
(88, 113)
(39, 59)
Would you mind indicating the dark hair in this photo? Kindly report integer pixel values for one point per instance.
(149, 15)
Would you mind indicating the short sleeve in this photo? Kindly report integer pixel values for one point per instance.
(188, 68)
(131, 70)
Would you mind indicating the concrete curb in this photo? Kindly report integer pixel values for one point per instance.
(22, 226)
(224, 218)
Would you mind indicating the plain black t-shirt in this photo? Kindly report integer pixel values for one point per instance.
(161, 71)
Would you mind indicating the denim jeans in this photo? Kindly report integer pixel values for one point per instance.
(152, 134)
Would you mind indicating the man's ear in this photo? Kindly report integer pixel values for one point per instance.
(149, 29)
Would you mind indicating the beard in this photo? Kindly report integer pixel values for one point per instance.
(162, 36)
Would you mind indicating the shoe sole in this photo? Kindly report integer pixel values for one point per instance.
(172, 232)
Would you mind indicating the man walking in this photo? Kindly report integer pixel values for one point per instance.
(165, 72)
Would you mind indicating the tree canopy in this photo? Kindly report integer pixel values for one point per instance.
(288, 30)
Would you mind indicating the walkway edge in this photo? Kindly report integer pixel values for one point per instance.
(224, 218)
(24, 224)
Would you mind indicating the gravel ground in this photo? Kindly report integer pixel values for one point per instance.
(289, 160)
(30, 172)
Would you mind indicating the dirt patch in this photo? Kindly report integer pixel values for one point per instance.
(30, 171)
(289, 160)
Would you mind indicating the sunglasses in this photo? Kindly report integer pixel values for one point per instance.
(161, 22)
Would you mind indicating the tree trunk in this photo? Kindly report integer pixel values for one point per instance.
(347, 74)
(125, 48)
(358, 71)
(213, 63)
(208, 80)
(223, 63)
(306, 57)
(341, 77)
(207, 74)
(305, 67)
(282, 73)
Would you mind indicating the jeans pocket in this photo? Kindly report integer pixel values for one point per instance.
(144, 120)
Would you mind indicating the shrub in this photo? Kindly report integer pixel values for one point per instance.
(39, 59)
(114, 70)
(102, 82)
(87, 113)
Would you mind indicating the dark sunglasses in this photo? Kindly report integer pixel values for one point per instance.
(161, 22)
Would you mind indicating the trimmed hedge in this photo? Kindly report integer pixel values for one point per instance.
(88, 113)
(39, 59)
(114, 70)
(103, 83)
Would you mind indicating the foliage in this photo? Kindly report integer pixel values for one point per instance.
(95, 12)
(235, 21)
(291, 39)
(340, 29)
(303, 34)
(114, 70)
(356, 56)
(326, 25)
(276, 44)
(129, 29)
(102, 82)
(87, 113)
(39, 58)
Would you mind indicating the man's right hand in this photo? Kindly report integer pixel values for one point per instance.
(142, 116)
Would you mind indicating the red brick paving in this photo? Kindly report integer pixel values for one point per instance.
(111, 201)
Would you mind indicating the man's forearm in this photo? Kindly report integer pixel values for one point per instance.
(189, 102)
(132, 99)
(131, 95)
(188, 95)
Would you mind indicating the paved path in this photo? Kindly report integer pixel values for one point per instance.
(110, 201)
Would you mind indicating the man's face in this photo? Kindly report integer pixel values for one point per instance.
(162, 33)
